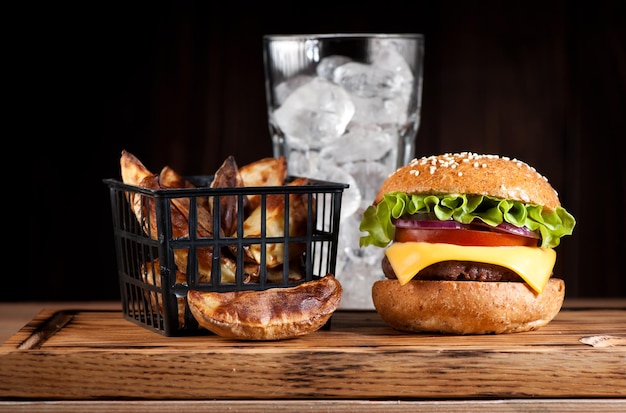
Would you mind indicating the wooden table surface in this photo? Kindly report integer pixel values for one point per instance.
(101, 362)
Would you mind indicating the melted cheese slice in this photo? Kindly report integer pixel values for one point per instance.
(533, 264)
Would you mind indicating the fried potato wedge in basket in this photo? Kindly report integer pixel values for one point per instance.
(272, 314)
(151, 274)
(227, 176)
(264, 172)
(170, 179)
(293, 309)
(275, 226)
(135, 173)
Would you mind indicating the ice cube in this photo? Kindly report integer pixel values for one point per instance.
(389, 58)
(367, 81)
(359, 144)
(351, 198)
(315, 114)
(284, 89)
(327, 65)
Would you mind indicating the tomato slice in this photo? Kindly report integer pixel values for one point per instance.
(466, 237)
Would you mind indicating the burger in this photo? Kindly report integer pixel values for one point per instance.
(469, 245)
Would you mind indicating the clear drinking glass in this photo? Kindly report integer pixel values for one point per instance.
(346, 108)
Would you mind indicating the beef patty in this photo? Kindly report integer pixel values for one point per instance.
(459, 271)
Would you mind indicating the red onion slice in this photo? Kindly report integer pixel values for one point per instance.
(510, 229)
(476, 225)
(428, 224)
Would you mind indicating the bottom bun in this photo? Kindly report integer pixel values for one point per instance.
(466, 307)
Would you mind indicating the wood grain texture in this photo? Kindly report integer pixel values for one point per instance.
(99, 355)
(335, 406)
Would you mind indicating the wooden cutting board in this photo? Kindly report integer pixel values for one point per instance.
(93, 354)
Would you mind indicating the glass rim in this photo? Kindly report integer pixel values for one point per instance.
(360, 35)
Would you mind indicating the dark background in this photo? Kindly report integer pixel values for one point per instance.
(181, 84)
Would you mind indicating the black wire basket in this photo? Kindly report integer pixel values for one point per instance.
(166, 243)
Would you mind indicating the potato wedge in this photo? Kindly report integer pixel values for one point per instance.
(132, 169)
(170, 179)
(135, 173)
(275, 226)
(275, 275)
(151, 274)
(264, 172)
(273, 314)
(227, 176)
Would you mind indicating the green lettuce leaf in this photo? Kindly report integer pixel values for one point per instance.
(377, 220)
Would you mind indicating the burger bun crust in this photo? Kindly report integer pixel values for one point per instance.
(471, 173)
(466, 307)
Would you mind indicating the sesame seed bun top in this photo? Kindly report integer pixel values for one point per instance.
(471, 173)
